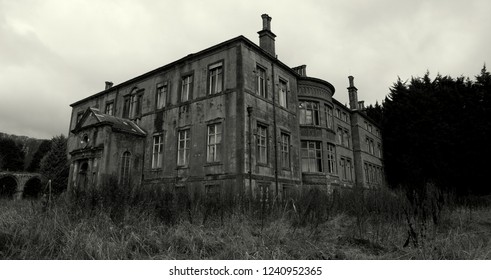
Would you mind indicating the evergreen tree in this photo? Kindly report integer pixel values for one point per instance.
(438, 131)
(11, 155)
(43, 148)
(375, 112)
(54, 165)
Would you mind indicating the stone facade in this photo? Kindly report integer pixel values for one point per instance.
(231, 119)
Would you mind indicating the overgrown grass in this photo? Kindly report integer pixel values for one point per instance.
(352, 224)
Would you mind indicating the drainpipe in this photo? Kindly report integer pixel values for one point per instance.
(274, 134)
(143, 160)
(249, 116)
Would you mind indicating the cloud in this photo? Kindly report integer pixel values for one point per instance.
(54, 52)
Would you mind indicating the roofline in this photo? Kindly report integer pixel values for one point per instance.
(368, 118)
(191, 56)
(326, 83)
(361, 112)
(341, 104)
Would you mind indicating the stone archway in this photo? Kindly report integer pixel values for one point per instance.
(8, 187)
(32, 188)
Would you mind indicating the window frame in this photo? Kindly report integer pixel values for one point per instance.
(314, 164)
(185, 149)
(125, 174)
(187, 82)
(217, 145)
(283, 93)
(285, 150)
(137, 105)
(261, 81)
(161, 95)
(157, 156)
(109, 104)
(331, 159)
(262, 144)
(346, 138)
(370, 145)
(328, 111)
(216, 81)
(306, 106)
(346, 169)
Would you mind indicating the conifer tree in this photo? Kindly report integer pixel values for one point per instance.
(54, 165)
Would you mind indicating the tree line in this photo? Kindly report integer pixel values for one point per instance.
(437, 131)
(49, 158)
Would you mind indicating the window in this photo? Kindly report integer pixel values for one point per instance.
(379, 150)
(343, 137)
(186, 87)
(136, 105)
(126, 107)
(214, 142)
(132, 104)
(370, 128)
(346, 169)
(283, 93)
(158, 150)
(162, 91)
(344, 117)
(349, 172)
(339, 134)
(311, 153)
(285, 150)
(338, 113)
(215, 78)
(373, 174)
(125, 169)
(309, 113)
(183, 147)
(109, 110)
(262, 144)
(370, 146)
(329, 119)
(331, 159)
(261, 81)
(346, 138)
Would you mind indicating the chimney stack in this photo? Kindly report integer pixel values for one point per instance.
(361, 105)
(266, 37)
(301, 70)
(353, 94)
(109, 85)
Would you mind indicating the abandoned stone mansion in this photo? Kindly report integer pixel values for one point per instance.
(230, 119)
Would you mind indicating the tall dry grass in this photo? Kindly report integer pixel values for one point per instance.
(157, 224)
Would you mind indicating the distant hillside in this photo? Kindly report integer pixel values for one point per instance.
(29, 145)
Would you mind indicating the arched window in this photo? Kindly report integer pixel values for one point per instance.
(125, 169)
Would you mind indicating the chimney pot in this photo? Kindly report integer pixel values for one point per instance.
(266, 22)
(301, 70)
(109, 85)
(361, 105)
(351, 78)
(353, 94)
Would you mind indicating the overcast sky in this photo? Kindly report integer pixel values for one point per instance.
(55, 52)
